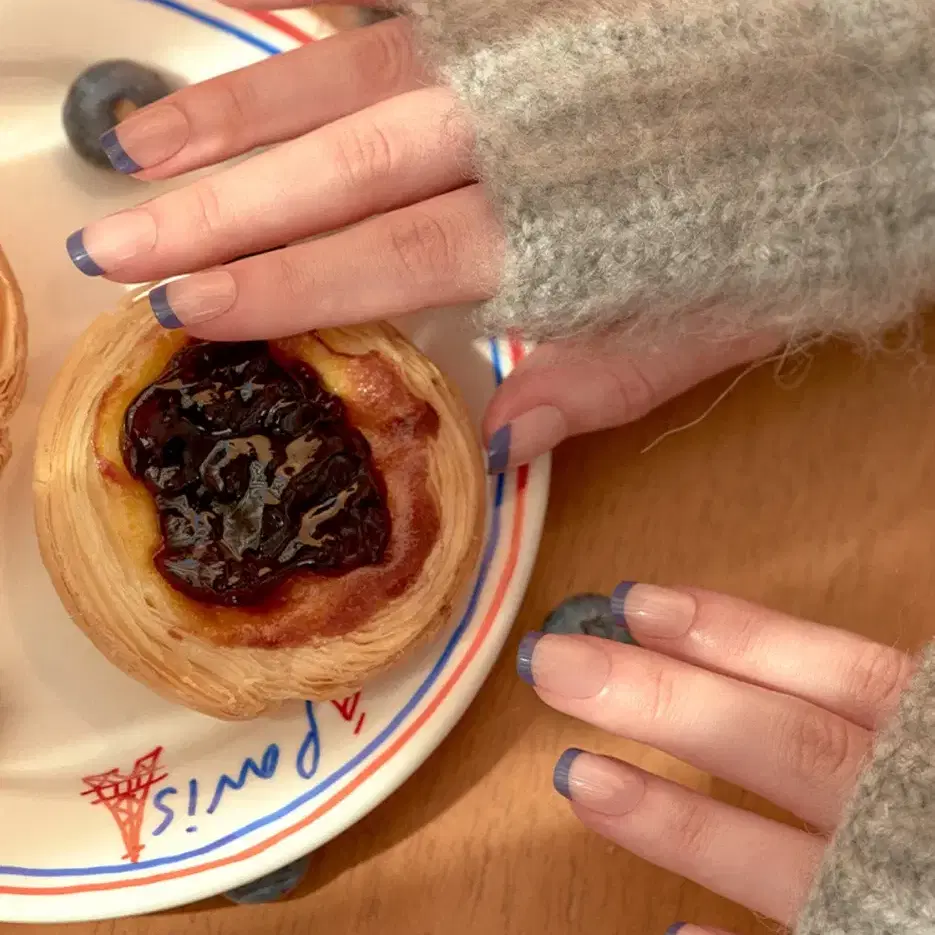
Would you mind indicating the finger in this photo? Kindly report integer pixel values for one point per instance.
(761, 864)
(445, 251)
(274, 100)
(801, 757)
(854, 677)
(573, 387)
(398, 152)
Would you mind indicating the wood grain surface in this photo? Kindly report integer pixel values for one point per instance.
(813, 493)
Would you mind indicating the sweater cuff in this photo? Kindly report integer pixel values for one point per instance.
(699, 166)
(878, 875)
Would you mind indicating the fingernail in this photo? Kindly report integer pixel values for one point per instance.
(117, 154)
(193, 300)
(597, 782)
(654, 611)
(674, 929)
(108, 244)
(79, 255)
(146, 138)
(564, 665)
(561, 774)
(498, 451)
(526, 437)
(524, 656)
(162, 310)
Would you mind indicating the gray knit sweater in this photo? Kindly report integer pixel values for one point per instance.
(716, 166)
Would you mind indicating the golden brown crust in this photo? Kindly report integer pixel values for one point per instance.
(12, 352)
(320, 637)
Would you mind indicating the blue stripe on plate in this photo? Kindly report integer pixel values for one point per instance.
(490, 549)
(217, 24)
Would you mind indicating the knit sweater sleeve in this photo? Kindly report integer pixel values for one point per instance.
(878, 876)
(718, 166)
(710, 166)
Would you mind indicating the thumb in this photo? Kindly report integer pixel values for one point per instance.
(569, 388)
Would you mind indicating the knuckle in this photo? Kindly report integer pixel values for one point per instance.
(818, 745)
(383, 55)
(878, 677)
(743, 630)
(363, 155)
(691, 827)
(424, 247)
(235, 107)
(207, 216)
(293, 277)
(634, 393)
(659, 694)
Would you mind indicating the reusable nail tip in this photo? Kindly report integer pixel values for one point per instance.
(498, 451)
(562, 772)
(618, 600)
(80, 256)
(117, 154)
(674, 929)
(527, 647)
(159, 303)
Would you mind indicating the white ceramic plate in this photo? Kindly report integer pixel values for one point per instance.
(182, 807)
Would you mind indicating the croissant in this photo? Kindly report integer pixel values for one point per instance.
(237, 525)
(12, 352)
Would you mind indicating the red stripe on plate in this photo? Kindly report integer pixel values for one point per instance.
(283, 25)
(516, 538)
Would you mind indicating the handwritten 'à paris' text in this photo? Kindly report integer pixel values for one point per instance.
(169, 801)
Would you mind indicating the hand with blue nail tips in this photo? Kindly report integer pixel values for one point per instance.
(784, 708)
(364, 152)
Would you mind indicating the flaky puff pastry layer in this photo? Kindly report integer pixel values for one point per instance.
(319, 637)
(12, 352)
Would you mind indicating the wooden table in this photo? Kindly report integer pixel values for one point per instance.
(817, 497)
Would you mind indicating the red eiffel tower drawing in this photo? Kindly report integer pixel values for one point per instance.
(126, 796)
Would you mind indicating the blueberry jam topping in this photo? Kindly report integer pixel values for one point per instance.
(256, 473)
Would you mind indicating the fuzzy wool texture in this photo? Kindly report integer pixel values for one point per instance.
(715, 167)
(711, 167)
(878, 877)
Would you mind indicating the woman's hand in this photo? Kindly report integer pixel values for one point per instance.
(569, 388)
(784, 708)
(362, 139)
(374, 162)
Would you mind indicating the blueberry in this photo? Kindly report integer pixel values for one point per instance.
(274, 886)
(101, 96)
(589, 614)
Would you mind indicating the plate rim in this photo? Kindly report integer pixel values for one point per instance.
(127, 878)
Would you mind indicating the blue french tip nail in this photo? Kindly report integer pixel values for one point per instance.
(80, 256)
(527, 647)
(498, 451)
(562, 772)
(117, 154)
(674, 929)
(619, 598)
(159, 303)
